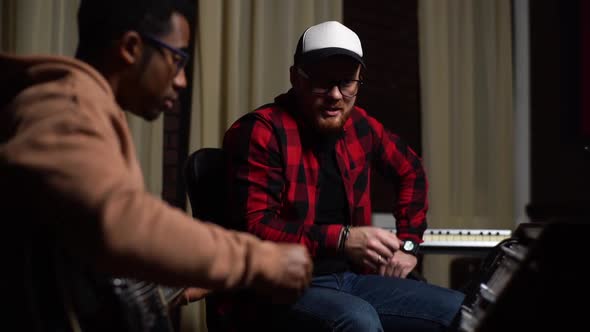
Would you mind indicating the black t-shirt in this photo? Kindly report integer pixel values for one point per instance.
(332, 207)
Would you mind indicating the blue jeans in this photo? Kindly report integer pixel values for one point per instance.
(352, 302)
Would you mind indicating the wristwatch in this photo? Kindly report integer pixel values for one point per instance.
(410, 247)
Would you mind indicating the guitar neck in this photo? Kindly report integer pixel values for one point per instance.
(169, 295)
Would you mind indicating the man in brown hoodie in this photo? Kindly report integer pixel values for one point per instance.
(73, 188)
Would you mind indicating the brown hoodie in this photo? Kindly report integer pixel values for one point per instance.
(68, 171)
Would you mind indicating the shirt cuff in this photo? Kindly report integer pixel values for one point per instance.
(333, 237)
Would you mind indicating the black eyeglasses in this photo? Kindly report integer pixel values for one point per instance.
(179, 57)
(348, 88)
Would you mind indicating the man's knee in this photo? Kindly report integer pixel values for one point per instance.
(361, 317)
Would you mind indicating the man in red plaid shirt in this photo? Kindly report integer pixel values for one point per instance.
(299, 172)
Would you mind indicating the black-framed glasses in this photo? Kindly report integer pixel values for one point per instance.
(348, 88)
(179, 57)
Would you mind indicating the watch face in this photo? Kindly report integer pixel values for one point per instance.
(408, 245)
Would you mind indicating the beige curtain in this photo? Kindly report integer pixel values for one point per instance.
(467, 114)
(38, 26)
(49, 27)
(245, 50)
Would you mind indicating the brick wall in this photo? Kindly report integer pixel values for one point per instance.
(388, 30)
(173, 153)
(176, 136)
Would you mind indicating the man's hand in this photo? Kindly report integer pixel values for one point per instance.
(371, 246)
(192, 294)
(287, 272)
(400, 265)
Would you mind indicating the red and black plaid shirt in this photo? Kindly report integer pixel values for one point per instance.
(273, 184)
(274, 171)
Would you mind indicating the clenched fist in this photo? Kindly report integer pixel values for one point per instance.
(286, 271)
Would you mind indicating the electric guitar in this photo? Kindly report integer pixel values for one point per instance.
(135, 306)
(93, 301)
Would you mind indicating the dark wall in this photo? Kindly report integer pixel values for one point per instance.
(388, 30)
(560, 167)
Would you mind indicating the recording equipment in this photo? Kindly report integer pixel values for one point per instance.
(532, 281)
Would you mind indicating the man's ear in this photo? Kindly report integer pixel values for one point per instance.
(130, 47)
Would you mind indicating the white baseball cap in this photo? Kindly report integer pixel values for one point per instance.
(328, 39)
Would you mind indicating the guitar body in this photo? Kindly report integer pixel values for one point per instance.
(120, 304)
(66, 295)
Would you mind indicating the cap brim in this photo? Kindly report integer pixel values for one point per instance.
(321, 54)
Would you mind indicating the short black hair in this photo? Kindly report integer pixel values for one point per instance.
(100, 22)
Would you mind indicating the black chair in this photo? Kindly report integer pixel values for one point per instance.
(204, 174)
(204, 178)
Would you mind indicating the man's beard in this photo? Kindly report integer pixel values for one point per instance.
(330, 127)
